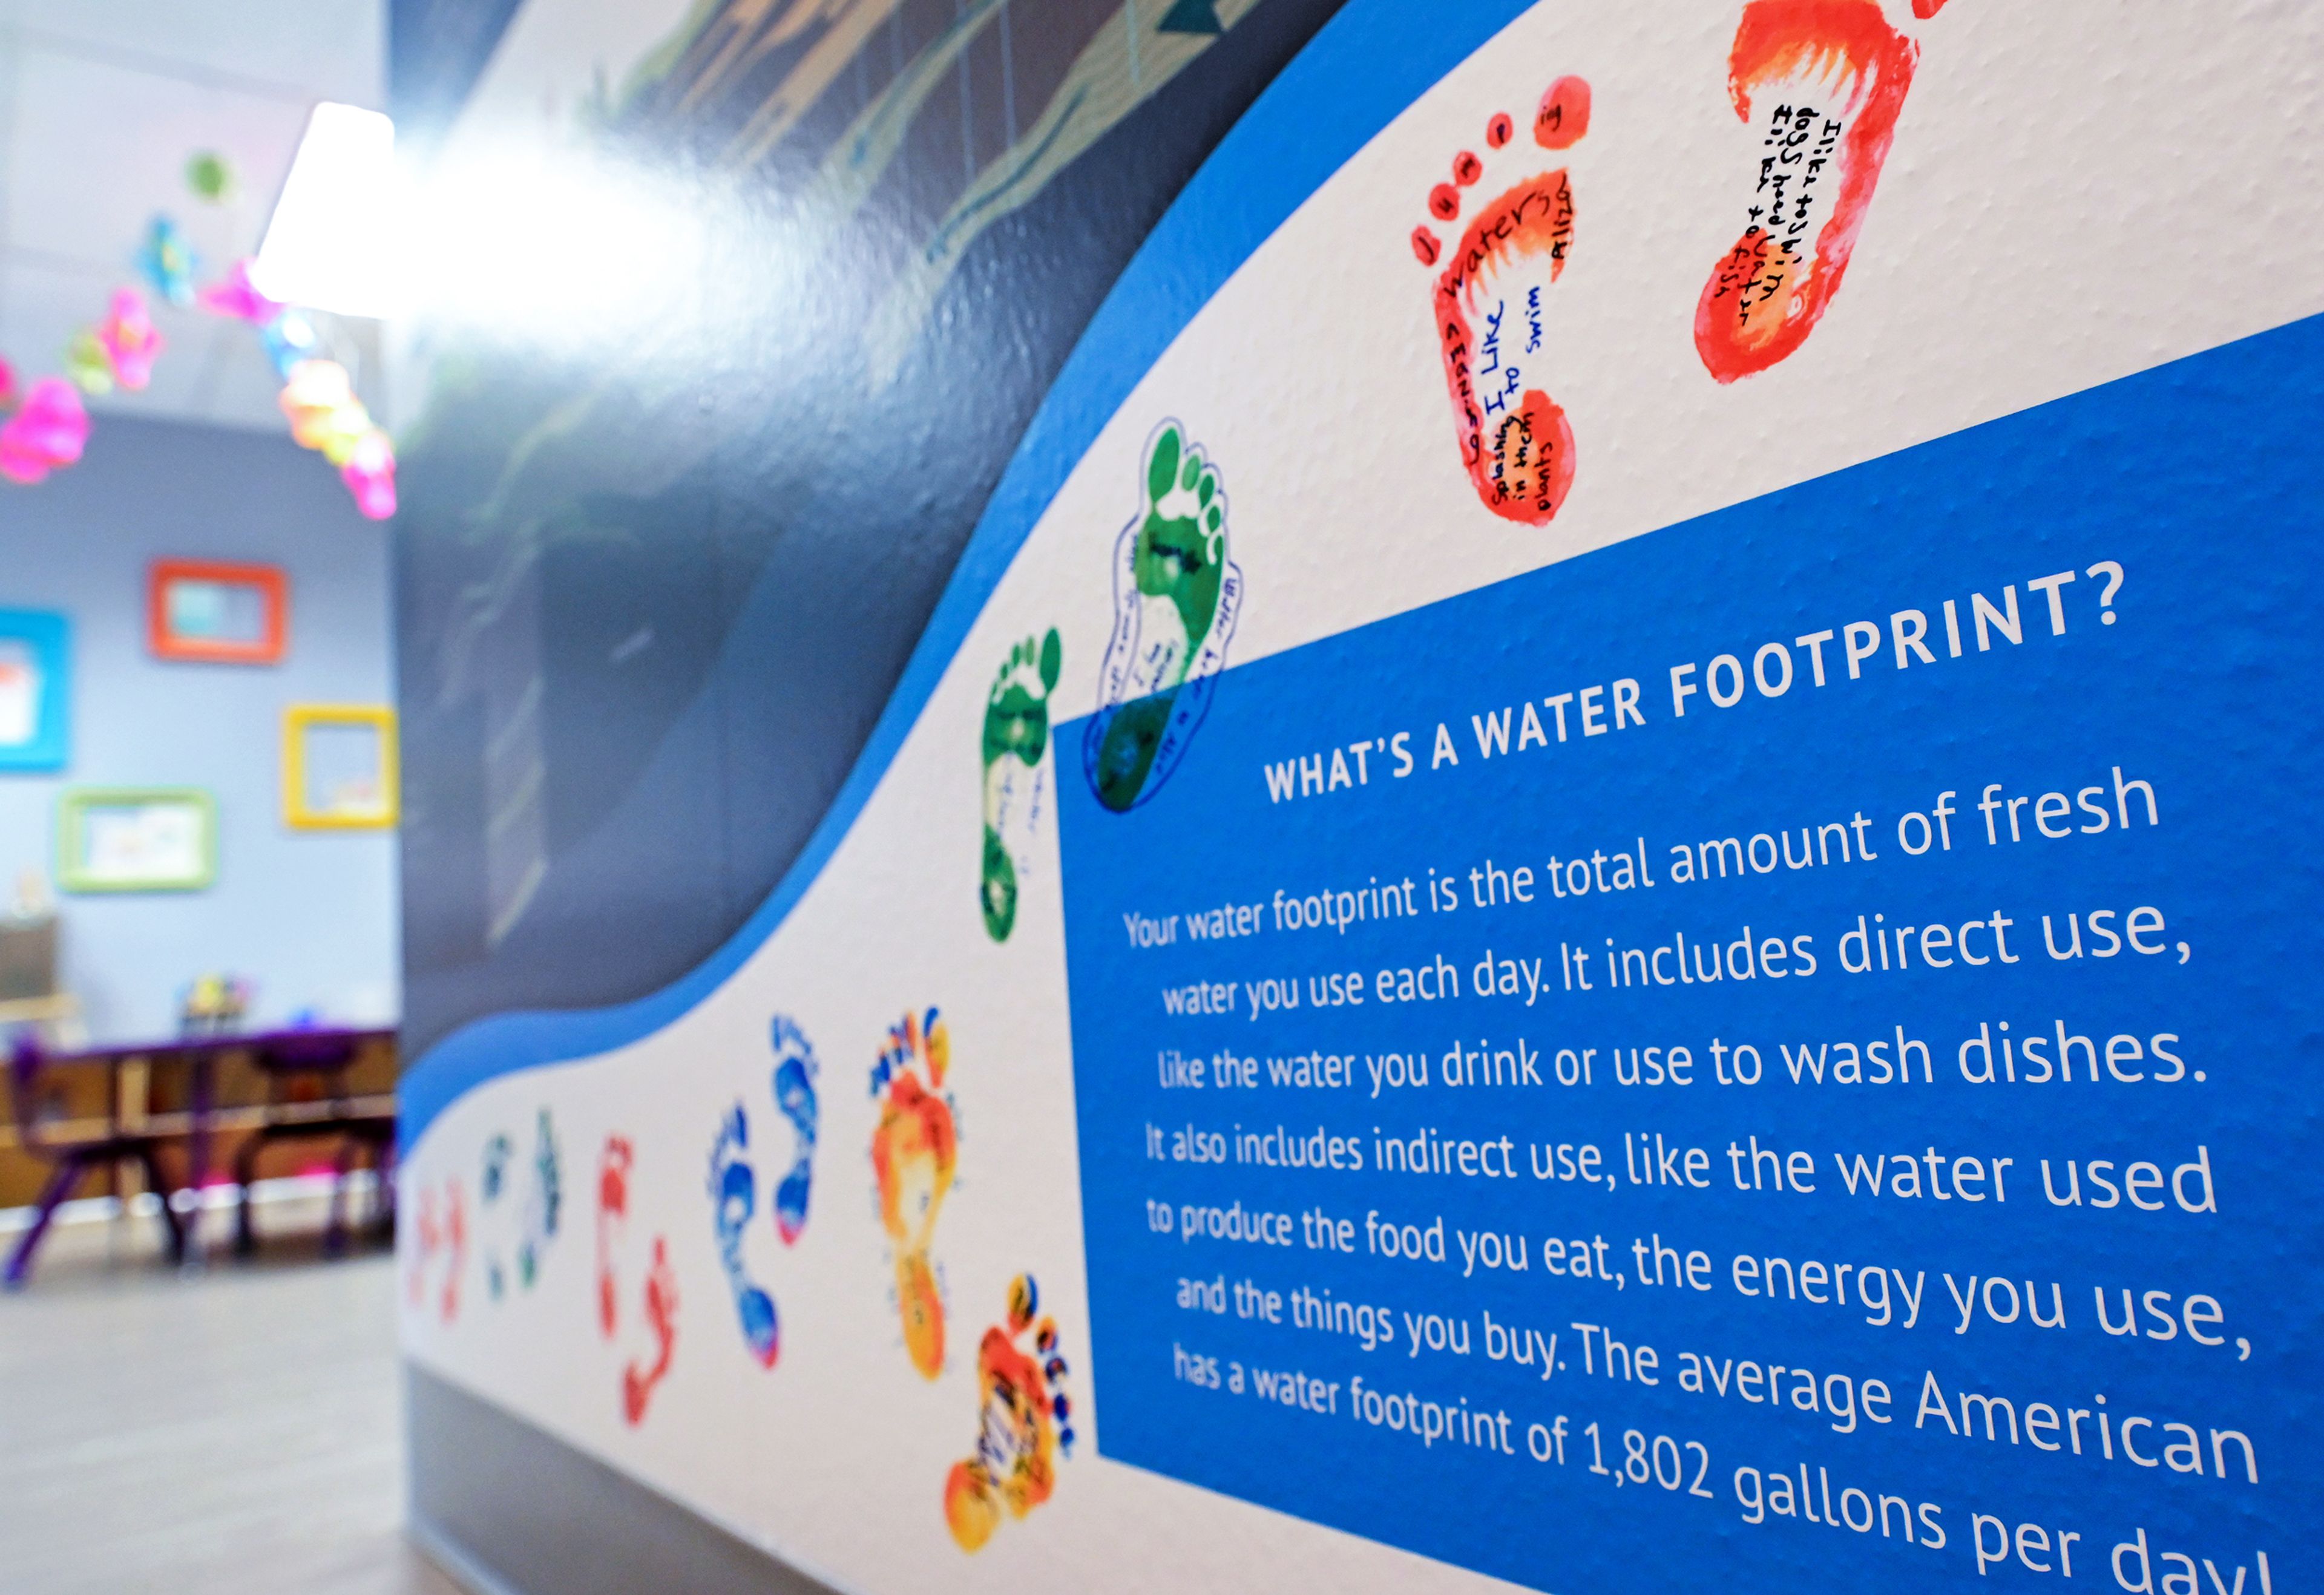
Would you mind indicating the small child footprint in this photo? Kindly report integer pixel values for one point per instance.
(492, 1212)
(1023, 1424)
(1821, 82)
(734, 1185)
(433, 1239)
(914, 1152)
(638, 1377)
(1515, 442)
(638, 1381)
(613, 1225)
(796, 1071)
(544, 1200)
(1016, 774)
(1175, 598)
(735, 1197)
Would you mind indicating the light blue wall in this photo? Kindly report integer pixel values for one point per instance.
(309, 916)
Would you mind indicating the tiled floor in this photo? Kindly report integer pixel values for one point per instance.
(235, 1431)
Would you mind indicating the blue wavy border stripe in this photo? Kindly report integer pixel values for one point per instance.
(1359, 72)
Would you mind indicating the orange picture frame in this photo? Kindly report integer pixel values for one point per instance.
(211, 612)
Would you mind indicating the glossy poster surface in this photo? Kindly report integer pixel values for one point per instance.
(1590, 877)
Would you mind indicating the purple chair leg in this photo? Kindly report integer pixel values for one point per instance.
(59, 1185)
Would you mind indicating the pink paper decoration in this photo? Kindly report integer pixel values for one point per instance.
(129, 339)
(369, 475)
(46, 433)
(232, 295)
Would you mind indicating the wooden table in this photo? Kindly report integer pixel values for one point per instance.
(132, 1108)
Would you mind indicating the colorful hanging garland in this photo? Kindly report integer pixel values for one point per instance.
(44, 426)
(319, 398)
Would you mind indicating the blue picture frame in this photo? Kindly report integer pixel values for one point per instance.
(36, 690)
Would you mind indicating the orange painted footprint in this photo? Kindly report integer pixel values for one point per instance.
(1023, 1424)
(1821, 82)
(914, 1151)
(1515, 441)
(639, 1376)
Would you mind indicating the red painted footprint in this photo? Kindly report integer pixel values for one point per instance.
(448, 1241)
(1821, 82)
(639, 1376)
(1515, 441)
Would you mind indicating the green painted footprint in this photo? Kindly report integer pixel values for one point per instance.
(1175, 598)
(1016, 773)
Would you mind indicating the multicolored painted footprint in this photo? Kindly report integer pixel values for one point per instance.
(915, 1151)
(1023, 1424)
(1515, 443)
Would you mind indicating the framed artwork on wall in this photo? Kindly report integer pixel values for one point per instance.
(35, 688)
(204, 611)
(340, 767)
(136, 839)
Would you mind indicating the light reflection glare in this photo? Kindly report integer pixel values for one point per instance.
(553, 247)
(545, 243)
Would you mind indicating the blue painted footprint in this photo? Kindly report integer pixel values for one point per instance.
(543, 1201)
(734, 1185)
(1175, 597)
(492, 1212)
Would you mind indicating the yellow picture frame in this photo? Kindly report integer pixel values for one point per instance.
(371, 802)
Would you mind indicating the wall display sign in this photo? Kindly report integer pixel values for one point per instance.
(1590, 879)
(206, 611)
(136, 839)
(338, 767)
(35, 689)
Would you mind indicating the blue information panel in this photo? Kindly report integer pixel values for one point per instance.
(1780, 1053)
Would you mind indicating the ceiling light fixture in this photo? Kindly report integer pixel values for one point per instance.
(331, 243)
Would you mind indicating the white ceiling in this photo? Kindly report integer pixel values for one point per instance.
(101, 103)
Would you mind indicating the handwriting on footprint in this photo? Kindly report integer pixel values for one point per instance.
(1175, 597)
(1515, 443)
(1016, 774)
(1821, 82)
(915, 1150)
(1023, 1424)
(640, 1374)
(734, 1186)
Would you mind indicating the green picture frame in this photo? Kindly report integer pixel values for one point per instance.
(136, 839)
